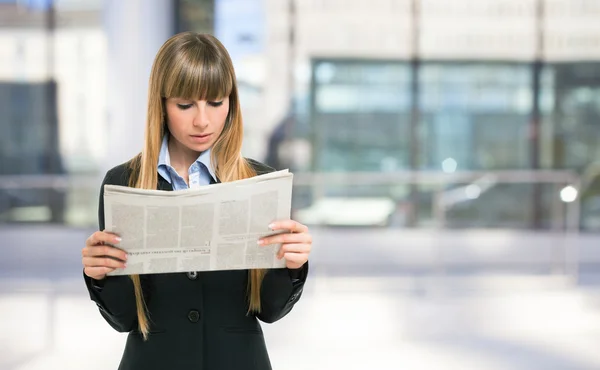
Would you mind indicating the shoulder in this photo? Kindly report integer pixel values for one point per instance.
(259, 168)
(119, 175)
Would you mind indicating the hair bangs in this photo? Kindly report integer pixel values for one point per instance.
(197, 75)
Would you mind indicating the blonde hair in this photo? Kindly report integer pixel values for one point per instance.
(192, 66)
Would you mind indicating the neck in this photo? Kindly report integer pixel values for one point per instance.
(180, 156)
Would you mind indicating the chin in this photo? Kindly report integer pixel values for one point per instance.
(200, 147)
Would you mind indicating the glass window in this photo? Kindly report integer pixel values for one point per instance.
(475, 117)
(194, 15)
(361, 115)
(475, 114)
(571, 124)
(576, 115)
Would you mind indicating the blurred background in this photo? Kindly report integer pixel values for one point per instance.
(446, 156)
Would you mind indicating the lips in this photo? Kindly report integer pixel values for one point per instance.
(201, 139)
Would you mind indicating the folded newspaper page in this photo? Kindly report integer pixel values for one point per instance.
(214, 227)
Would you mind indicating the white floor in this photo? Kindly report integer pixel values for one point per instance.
(484, 322)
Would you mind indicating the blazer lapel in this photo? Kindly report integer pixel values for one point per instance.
(164, 184)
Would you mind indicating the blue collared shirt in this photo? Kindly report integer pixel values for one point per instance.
(200, 172)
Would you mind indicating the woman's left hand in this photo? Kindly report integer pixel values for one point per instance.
(295, 245)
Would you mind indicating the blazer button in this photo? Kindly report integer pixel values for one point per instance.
(193, 275)
(194, 316)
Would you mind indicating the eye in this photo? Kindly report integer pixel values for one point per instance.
(184, 106)
(215, 103)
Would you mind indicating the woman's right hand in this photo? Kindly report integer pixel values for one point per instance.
(99, 258)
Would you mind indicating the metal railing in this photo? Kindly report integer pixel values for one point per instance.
(566, 214)
(443, 199)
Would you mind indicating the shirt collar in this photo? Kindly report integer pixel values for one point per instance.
(164, 159)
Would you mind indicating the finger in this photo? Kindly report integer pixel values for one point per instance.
(293, 248)
(105, 250)
(295, 259)
(102, 237)
(293, 226)
(286, 238)
(103, 262)
(97, 272)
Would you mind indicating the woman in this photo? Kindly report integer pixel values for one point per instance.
(205, 320)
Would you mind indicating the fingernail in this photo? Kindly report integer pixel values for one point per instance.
(260, 242)
(271, 226)
(118, 239)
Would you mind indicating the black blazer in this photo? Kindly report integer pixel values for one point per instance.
(197, 320)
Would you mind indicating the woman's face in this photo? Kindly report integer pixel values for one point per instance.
(196, 124)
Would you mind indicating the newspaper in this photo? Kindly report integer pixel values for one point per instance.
(213, 227)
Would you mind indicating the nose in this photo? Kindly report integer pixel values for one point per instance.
(201, 119)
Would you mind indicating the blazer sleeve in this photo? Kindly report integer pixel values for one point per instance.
(114, 295)
(280, 290)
